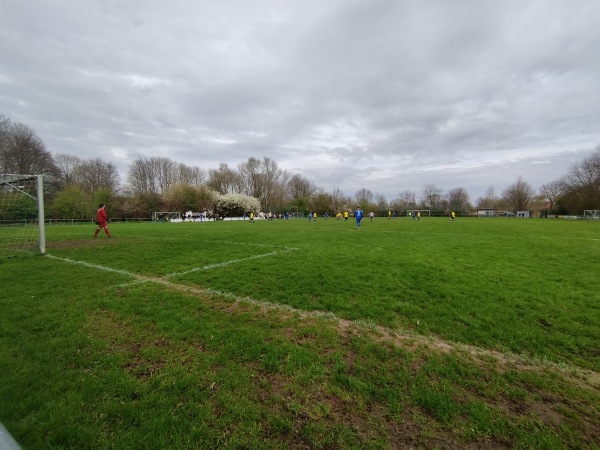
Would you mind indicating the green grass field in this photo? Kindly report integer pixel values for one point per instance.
(482, 332)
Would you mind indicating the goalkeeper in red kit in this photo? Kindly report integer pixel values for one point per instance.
(101, 221)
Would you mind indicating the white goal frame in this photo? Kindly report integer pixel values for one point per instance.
(592, 214)
(424, 212)
(12, 185)
(169, 214)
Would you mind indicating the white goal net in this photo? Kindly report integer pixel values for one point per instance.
(419, 212)
(21, 215)
(592, 214)
(165, 216)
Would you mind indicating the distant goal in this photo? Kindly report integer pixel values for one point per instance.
(165, 216)
(592, 214)
(424, 212)
(21, 215)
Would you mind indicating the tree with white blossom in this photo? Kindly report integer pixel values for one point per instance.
(236, 205)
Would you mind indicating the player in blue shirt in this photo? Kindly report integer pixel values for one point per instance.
(358, 216)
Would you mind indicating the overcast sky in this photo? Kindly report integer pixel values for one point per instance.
(386, 95)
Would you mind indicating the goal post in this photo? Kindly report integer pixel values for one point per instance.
(592, 214)
(21, 214)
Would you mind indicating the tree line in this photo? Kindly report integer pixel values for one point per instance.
(74, 186)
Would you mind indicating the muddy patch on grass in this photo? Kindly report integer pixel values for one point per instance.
(133, 347)
(79, 243)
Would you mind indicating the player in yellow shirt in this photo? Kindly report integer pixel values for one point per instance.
(345, 216)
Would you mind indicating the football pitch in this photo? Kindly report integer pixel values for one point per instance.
(479, 332)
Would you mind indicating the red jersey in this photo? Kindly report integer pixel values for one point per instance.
(101, 217)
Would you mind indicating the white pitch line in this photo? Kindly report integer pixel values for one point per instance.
(227, 263)
(253, 244)
(93, 266)
(141, 278)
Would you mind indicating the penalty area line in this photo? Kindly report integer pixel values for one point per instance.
(398, 336)
(142, 279)
(395, 335)
(92, 266)
(228, 263)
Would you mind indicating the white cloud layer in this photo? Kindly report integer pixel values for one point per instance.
(387, 95)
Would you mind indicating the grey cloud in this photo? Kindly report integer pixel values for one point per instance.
(391, 93)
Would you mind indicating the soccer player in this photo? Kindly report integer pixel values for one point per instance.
(251, 217)
(345, 216)
(358, 216)
(101, 220)
(452, 217)
(371, 215)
